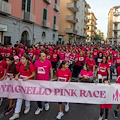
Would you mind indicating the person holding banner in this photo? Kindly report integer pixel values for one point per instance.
(107, 107)
(86, 74)
(2, 76)
(102, 70)
(63, 74)
(10, 73)
(42, 68)
(26, 72)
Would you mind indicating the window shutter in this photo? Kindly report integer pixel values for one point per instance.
(23, 4)
(28, 5)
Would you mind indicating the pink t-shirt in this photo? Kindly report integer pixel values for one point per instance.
(67, 56)
(87, 73)
(62, 56)
(43, 69)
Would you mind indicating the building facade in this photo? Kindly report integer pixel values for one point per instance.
(91, 32)
(110, 26)
(29, 21)
(114, 25)
(72, 20)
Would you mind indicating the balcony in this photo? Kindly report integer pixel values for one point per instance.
(116, 21)
(86, 11)
(71, 30)
(86, 27)
(28, 17)
(116, 36)
(91, 23)
(71, 18)
(72, 7)
(56, 8)
(45, 23)
(116, 13)
(55, 27)
(116, 29)
(86, 19)
(47, 1)
(5, 8)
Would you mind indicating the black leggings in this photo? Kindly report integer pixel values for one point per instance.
(102, 112)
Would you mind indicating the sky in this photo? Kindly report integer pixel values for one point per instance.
(101, 9)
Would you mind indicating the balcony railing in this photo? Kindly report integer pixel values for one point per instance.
(71, 30)
(116, 21)
(72, 7)
(71, 18)
(56, 8)
(47, 1)
(5, 8)
(86, 19)
(85, 27)
(28, 17)
(86, 11)
(45, 23)
(116, 13)
(116, 28)
(55, 27)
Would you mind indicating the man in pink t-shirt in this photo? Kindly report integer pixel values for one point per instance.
(43, 67)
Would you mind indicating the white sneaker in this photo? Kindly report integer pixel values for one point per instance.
(106, 119)
(67, 107)
(100, 118)
(1, 99)
(38, 111)
(47, 106)
(59, 116)
(27, 109)
(15, 116)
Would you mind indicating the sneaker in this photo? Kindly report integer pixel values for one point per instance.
(106, 119)
(38, 111)
(100, 118)
(27, 109)
(59, 116)
(47, 106)
(1, 99)
(67, 107)
(115, 114)
(8, 107)
(15, 116)
(8, 111)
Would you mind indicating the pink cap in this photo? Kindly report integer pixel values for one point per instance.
(16, 57)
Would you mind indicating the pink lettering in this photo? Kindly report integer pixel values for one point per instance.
(102, 94)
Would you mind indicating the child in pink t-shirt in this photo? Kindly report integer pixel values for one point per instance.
(104, 106)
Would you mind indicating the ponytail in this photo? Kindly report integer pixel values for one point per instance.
(27, 66)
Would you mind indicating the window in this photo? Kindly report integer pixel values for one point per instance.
(26, 5)
(44, 14)
(7, 40)
(55, 1)
(54, 21)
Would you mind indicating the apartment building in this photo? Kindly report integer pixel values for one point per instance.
(114, 25)
(110, 26)
(29, 21)
(73, 15)
(91, 32)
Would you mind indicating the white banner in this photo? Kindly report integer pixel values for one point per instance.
(34, 90)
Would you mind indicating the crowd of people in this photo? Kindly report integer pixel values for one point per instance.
(61, 63)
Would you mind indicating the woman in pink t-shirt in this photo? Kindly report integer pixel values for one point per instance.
(26, 72)
(102, 70)
(67, 55)
(63, 74)
(86, 74)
